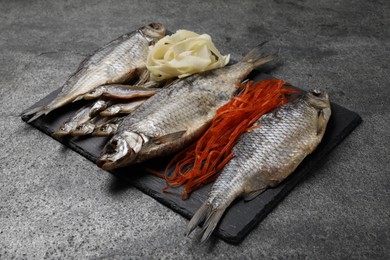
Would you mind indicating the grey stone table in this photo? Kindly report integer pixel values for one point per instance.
(54, 203)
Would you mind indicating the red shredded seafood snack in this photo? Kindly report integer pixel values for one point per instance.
(200, 163)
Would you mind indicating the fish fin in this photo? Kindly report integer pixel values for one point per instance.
(245, 81)
(78, 98)
(210, 223)
(33, 110)
(168, 138)
(258, 55)
(212, 216)
(38, 111)
(198, 217)
(175, 81)
(144, 76)
(323, 117)
(152, 84)
(253, 194)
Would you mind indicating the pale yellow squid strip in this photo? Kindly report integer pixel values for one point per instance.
(182, 54)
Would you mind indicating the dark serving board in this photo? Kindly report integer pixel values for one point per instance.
(241, 217)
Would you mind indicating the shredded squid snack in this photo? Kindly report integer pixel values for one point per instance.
(182, 54)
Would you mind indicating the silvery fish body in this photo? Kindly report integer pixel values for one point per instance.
(177, 115)
(123, 91)
(79, 117)
(265, 156)
(119, 61)
(122, 108)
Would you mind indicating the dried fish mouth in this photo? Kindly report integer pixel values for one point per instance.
(153, 32)
(121, 150)
(95, 93)
(318, 98)
(83, 129)
(63, 131)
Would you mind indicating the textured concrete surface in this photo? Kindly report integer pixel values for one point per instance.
(56, 204)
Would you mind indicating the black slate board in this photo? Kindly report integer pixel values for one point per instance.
(241, 217)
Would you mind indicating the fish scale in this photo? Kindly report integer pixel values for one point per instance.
(266, 155)
(175, 116)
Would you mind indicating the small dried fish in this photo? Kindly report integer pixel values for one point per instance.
(81, 116)
(88, 127)
(266, 155)
(83, 129)
(98, 106)
(108, 129)
(121, 91)
(125, 108)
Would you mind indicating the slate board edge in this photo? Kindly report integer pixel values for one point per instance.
(182, 211)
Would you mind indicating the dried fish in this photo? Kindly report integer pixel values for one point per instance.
(266, 155)
(117, 62)
(125, 108)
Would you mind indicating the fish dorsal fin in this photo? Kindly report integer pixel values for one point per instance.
(174, 82)
(144, 76)
(78, 98)
(253, 194)
(168, 137)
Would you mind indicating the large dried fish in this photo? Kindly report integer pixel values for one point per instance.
(178, 114)
(117, 62)
(266, 155)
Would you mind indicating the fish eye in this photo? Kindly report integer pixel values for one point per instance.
(316, 92)
(155, 26)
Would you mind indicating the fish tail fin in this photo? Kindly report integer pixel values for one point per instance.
(32, 110)
(260, 55)
(37, 111)
(199, 216)
(212, 216)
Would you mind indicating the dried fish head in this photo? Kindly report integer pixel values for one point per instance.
(83, 129)
(121, 150)
(64, 130)
(318, 98)
(95, 93)
(153, 32)
(112, 110)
